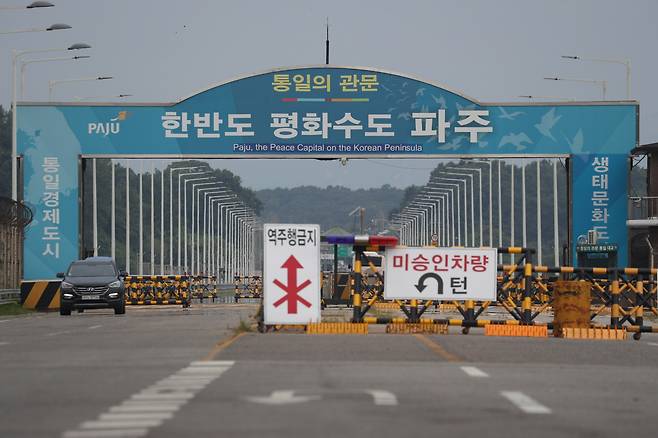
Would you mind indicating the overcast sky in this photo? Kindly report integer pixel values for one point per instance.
(163, 50)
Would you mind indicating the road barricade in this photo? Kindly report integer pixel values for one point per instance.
(40, 294)
(158, 289)
(248, 287)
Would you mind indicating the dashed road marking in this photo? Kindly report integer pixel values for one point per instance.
(525, 403)
(474, 372)
(655, 344)
(58, 333)
(383, 398)
(94, 327)
(5, 320)
(153, 405)
(4, 343)
(121, 433)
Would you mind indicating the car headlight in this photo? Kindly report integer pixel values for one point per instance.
(115, 284)
(66, 285)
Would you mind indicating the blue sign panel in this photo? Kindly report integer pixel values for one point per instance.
(300, 112)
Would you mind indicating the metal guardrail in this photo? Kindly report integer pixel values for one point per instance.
(9, 296)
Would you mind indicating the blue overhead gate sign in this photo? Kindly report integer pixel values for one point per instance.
(318, 111)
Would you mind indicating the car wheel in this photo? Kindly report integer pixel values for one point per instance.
(120, 309)
(65, 310)
(81, 310)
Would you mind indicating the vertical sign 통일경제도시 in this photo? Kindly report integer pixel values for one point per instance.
(440, 274)
(291, 276)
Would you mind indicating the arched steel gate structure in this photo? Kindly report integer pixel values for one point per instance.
(319, 111)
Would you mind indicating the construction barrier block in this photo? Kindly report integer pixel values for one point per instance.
(446, 307)
(533, 331)
(425, 328)
(40, 294)
(606, 334)
(337, 328)
(386, 306)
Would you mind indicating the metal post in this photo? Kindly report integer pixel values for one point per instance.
(500, 214)
(171, 219)
(523, 207)
(556, 237)
(113, 213)
(127, 216)
(162, 221)
(511, 256)
(140, 268)
(94, 201)
(539, 237)
(152, 245)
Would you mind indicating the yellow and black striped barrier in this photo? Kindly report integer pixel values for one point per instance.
(40, 294)
(337, 328)
(419, 328)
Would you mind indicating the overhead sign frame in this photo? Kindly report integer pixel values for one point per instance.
(597, 136)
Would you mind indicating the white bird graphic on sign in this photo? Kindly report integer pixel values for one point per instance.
(509, 116)
(439, 100)
(576, 145)
(465, 107)
(516, 140)
(405, 116)
(420, 92)
(547, 123)
(455, 144)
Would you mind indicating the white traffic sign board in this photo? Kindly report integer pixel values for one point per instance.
(441, 274)
(291, 275)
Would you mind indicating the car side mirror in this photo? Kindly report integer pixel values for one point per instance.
(123, 274)
(60, 275)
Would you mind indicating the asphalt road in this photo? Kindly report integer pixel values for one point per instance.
(166, 372)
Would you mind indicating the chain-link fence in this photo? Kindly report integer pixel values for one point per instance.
(14, 217)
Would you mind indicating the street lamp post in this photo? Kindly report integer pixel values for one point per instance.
(171, 215)
(16, 54)
(24, 64)
(32, 5)
(602, 83)
(186, 266)
(624, 62)
(51, 84)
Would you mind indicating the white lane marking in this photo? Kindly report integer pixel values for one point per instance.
(652, 343)
(105, 433)
(94, 327)
(283, 397)
(525, 403)
(5, 320)
(127, 408)
(120, 424)
(383, 398)
(58, 333)
(4, 343)
(213, 363)
(182, 396)
(153, 405)
(136, 416)
(474, 371)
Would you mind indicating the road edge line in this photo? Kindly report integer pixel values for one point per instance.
(222, 345)
(438, 349)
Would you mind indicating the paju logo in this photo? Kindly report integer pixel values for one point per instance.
(107, 128)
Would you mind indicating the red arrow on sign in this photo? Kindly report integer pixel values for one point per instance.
(292, 289)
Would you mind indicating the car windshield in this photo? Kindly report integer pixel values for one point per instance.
(91, 270)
